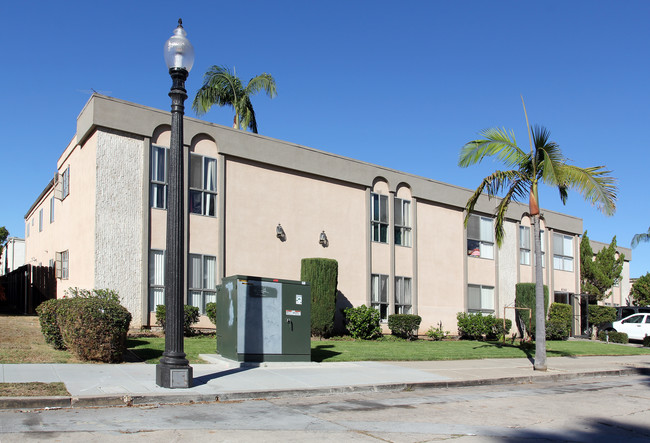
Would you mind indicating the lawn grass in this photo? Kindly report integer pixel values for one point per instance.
(150, 349)
(33, 389)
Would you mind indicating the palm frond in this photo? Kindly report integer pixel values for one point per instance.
(518, 190)
(497, 142)
(492, 185)
(638, 238)
(595, 184)
(263, 82)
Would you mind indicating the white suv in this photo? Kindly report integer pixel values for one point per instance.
(636, 326)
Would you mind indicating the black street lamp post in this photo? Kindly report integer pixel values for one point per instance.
(174, 370)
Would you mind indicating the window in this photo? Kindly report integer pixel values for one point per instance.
(156, 278)
(403, 295)
(524, 245)
(480, 299)
(158, 192)
(379, 217)
(66, 183)
(203, 185)
(62, 265)
(40, 220)
(480, 238)
(402, 222)
(563, 252)
(202, 276)
(51, 209)
(379, 294)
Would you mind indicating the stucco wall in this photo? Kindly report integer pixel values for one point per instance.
(119, 218)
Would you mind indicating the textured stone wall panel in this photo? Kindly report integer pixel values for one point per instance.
(120, 219)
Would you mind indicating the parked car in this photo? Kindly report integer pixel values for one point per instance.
(623, 312)
(636, 326)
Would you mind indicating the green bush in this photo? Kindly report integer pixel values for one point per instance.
(404, 325)
(191, 316)
(94, 328)
(47, 317)
(600, 314)
(211, 312)
(437, 334)
(104, 294)
(363, 322)
(525, 298)
(613, 336)
(646, 342)
(558, 326)
(476, 326)
(322, 275)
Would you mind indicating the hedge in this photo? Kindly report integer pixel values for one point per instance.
(322, 275)
(613, 337)
(558, 326)
(404, 325)
(190, 316)
(476, 326)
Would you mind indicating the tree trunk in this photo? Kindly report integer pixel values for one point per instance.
(540, 317)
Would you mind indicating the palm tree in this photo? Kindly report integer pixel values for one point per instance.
(543, 164)
(638, 238)
(223, 88)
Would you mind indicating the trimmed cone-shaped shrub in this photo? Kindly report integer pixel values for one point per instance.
(525, 298)
(94, 329)
(322, 275)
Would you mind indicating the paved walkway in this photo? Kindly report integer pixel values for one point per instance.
(221, 380)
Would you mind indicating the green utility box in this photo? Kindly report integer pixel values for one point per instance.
(263, 319)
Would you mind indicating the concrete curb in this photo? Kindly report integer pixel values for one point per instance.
(141, 400)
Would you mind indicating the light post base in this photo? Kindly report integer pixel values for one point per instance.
(173, 376)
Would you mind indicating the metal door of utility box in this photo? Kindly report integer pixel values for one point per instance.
(263, 319)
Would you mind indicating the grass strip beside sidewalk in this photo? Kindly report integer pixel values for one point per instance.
(33, 389)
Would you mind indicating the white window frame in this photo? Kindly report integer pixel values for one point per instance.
(200, 293)
(203, 195)
(485, 301)
(157, 262)
(379, 294)
(403, 295)
(562, 252)
(158, 185)
(379, 217)
(66, 183)
(524, 245)
(480, 237)
(62, 265)
(402, 213)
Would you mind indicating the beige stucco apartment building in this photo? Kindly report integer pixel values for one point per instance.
(399, 239)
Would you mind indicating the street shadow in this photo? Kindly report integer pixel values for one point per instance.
(597, 430)
(319, 353)
(204, 379)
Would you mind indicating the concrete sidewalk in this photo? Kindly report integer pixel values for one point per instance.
(222, 380)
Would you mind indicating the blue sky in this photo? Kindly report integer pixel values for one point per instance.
(400, 84)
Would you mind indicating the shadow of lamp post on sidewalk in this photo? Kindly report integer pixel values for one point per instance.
(174, 370)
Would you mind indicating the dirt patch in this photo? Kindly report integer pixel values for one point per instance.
(21, 341)
(35, 389)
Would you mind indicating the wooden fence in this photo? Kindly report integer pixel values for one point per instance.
(23, 289)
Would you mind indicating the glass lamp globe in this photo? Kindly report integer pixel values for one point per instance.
(179, 52)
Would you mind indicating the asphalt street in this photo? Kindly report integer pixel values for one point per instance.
(606, 409)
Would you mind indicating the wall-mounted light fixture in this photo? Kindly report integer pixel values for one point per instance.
(323, 239)
(279, 233)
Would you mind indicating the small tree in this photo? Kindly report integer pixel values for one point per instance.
(322, 275)
(599, 315)
(3, 238)
(525, 298)
(640, 291)
(599, 274)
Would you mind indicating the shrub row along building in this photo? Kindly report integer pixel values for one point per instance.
(257, 206)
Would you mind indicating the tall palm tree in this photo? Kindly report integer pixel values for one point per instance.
(543, 164)
(638, 238)
(223, 88)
